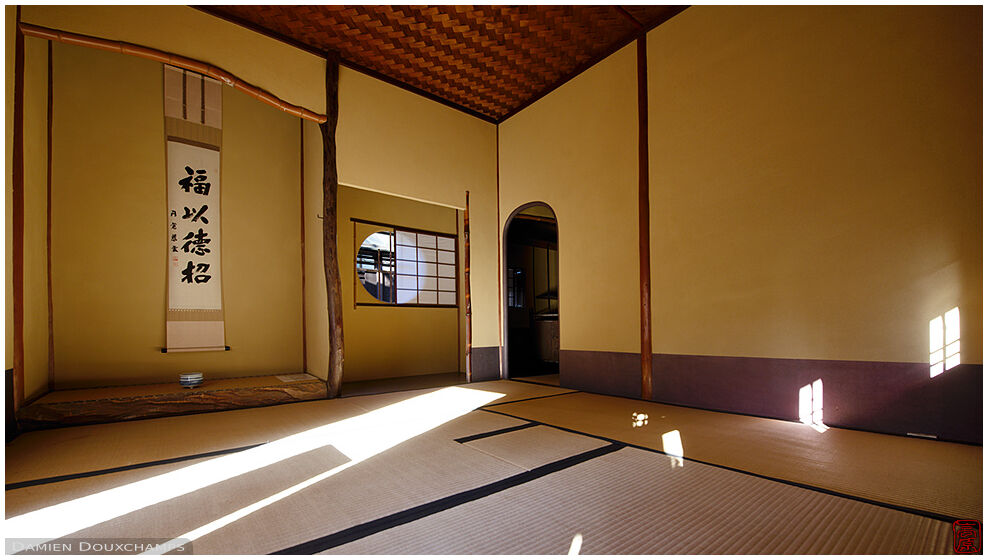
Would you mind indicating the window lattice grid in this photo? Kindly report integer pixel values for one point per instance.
(425, 268)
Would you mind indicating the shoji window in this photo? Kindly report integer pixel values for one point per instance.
(400, 266)
(425, 268)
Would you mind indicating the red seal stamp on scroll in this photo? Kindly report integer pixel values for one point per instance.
(967, 536)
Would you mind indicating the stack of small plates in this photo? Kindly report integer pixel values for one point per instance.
(190, 380)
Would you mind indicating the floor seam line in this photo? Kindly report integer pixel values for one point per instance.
(502, 459)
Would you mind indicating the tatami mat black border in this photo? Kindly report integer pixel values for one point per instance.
(492, 433)
(87, 474)
(531, 399)
(523, 380)
(376, 526)
(904, 509)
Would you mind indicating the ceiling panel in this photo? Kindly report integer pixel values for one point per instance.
(490, 61)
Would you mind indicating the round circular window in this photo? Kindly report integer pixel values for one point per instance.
(375, 265)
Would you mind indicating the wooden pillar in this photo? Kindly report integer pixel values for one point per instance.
(51, 308)
(17, 227)
(301, 186)
(644, 235)
(334, 379)
(466, 289)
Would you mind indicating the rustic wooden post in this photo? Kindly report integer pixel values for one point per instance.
(466, 289)
(334, 297)
(51, 309)
(644, 234)
(17, 211)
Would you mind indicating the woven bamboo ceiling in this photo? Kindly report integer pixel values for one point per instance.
(489, 61)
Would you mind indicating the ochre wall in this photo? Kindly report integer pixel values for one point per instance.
(439, 153)
(108, 224)
(576, 150)
(35, 217)
(816, 178)
(395, 142)
(389, 341)
(289, 73)
(316, 310)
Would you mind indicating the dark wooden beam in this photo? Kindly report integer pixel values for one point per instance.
(51, 308)
(644, 228)
(330, 184)
(17, 227)
(466, 289)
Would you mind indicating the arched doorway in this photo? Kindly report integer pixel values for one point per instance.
(531, 292)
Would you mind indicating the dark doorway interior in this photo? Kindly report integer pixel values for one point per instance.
(532, 284)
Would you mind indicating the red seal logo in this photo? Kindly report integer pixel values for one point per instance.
(967, 536)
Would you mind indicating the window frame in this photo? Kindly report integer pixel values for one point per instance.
(394, 229)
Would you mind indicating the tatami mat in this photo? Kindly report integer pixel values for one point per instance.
(535, 446)
(45, 453)
(179, 515)
(31, 498)
(23, 500)
(635, 502)
(427, 468)
(938, 477)
(624, 502)
(550, 379)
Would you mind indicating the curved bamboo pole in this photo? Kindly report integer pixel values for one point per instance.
(175, 60)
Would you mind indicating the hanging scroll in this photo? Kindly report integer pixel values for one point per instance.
(194, 320)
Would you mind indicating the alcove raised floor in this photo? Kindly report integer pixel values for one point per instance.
(131, 402)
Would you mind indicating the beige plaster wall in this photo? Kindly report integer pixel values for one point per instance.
(35, 217)
(399, 143)
(576, 150)
(391, 341)
(316, 310)
(816, 180)
(109, 222)
(392, 142)
(289, 73)
(389, 140)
